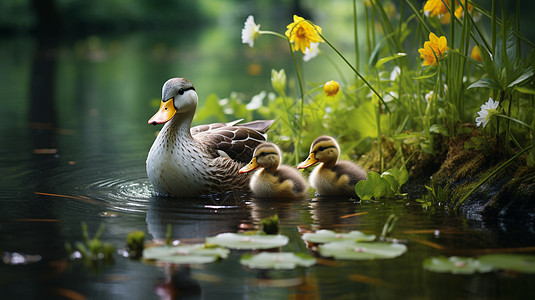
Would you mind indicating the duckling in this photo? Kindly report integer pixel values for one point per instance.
(273, 179)
(203, 160)
(332, 177)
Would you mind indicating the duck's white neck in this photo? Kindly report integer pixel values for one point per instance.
(181, 125)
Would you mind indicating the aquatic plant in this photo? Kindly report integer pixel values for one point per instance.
(385, 185)
(135, 244)
(186, 254)
(325, 236)
(250, 241)
(277, 260)
(352, 250)
(485, 263)
(91, 250)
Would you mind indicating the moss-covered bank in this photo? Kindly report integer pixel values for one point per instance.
(458, 166)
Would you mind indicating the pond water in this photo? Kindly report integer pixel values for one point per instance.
(74, 140)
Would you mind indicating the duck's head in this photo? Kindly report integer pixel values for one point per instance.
(324, 149)
(178, 96)
(266, 155)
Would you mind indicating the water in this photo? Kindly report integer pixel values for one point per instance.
(74, 140)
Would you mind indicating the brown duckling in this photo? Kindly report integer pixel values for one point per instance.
(273, 179)
(332, 177)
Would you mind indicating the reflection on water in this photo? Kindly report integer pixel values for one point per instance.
(194, 219)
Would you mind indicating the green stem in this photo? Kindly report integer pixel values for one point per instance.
(297, 142)
(355, 28)
(490, 175)
(517, 121)
(355, 71)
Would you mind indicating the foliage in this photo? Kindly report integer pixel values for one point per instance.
(362, 250)
(277, 260)
(325, 236)
(386, 185)
(456, 265)
(270, 225)
(186, 254)
(135, 243)
(250, 241)
(93, 250)
(482, 264)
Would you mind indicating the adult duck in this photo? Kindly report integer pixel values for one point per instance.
(332, 177)
(202, 160)
(272, 179)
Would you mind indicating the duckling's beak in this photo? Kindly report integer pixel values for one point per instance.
(165, 113)
(310, 161)
(250, 166)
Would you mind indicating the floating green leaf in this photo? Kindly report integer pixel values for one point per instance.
(325, 236)
(186, 254)
(248, 241)
(362, 250)
(512, 262)
(456, 265)
(277, 260)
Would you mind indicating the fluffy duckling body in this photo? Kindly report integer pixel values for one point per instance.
(332, 177)
(203, 160)
(272, 179)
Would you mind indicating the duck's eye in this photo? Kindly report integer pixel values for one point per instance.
(181, 91)
(321, 148)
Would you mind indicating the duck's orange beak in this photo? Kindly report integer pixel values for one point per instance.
(310, 161)
(165, 113)
(250, 166)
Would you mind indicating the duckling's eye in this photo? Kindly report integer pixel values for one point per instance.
(181, 91)
(263, 154)
(321, 148)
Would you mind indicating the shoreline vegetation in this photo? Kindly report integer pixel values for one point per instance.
(458, 115)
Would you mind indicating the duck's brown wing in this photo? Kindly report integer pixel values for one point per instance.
(237, 142)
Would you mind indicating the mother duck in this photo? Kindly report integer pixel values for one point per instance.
(203, 160)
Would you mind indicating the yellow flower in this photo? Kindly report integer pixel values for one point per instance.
(476, 53)
(435, 8)
(433, 49)
(331, 88)
(301, 33)
(439, 8)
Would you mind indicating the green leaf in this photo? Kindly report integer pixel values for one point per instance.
(524, 76)
(510, 262)
(384, 60)
(439, 128)
(186, 254)
(325, 236)
(248, 241)
(456, 265)
(277, 260)
(486, 83)
(362, 250)
(524, 90)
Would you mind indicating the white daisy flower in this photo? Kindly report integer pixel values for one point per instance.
(311, 51)
(487, 110)
(250, 31)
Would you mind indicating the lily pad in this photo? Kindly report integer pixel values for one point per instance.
(456, 265)
(277, 260)
(248, 241)
(186, 254)
(362, 250)
(512, 262)
(326, 236)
